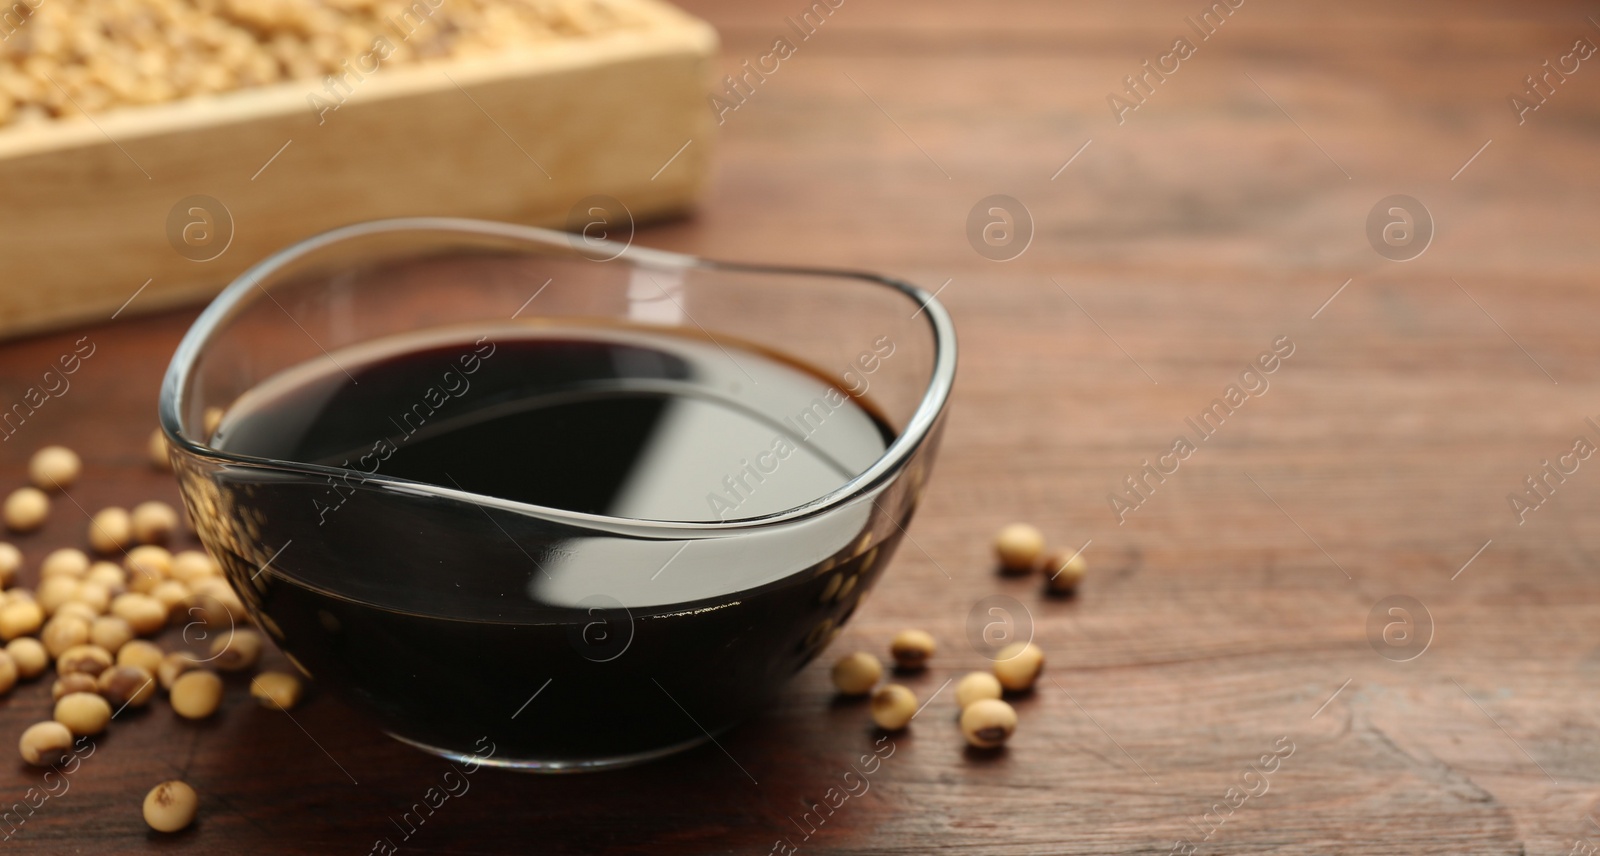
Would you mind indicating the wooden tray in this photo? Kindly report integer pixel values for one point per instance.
(169, 202)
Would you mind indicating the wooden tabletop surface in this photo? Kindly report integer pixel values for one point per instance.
(1231, 678)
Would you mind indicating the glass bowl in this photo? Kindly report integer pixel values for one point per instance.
(530, 636)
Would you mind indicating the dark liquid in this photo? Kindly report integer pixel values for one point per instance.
(445, 617)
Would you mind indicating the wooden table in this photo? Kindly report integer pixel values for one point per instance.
(1229, 614)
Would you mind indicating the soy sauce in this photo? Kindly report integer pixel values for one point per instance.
(470, 627)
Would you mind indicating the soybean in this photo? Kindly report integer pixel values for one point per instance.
(857, 673)
(1018, 547)
(61, 634)
(91, 660)
(171, 595)
(8, 672)
(236, 651)
(126, 686)
(83, 713)
(54, 468)
(77, 609)
(147, 565)
(10, 564)
(110, 530)
(108, 574)
(976, 686)
(276, 689)
(25, 509)
(111, 633)
(67, 560)
(170, 806)
(145, 655)
(93, 595)
(20, 618)
(45, 743)
(893, 706)
(73, 682)
(1018, 665)
(1065, 572)
(191, 566)
(153, 522)
(196, 694)
(143, 613)
(911, 649)
(987, 723)
(157, 449)
(55, 591)
(29, 656)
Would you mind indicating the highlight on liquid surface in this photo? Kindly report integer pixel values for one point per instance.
(605, 421)
(443, 618)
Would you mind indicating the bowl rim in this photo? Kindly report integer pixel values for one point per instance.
(924, 419)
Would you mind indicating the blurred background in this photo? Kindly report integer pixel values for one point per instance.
(1123, 206)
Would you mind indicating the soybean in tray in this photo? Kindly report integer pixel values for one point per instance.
(183, 140)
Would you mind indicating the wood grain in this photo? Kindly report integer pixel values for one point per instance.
(1219, 618)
